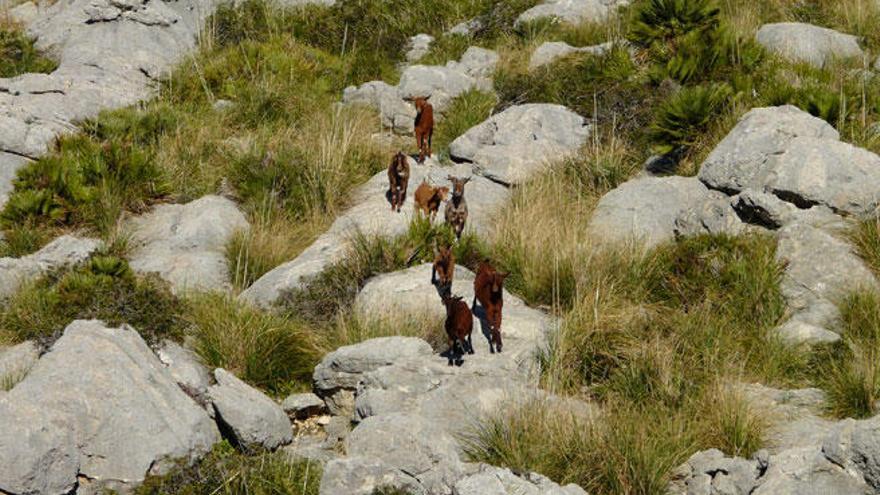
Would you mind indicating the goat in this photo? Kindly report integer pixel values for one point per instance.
(398, 179)
(459, 328)
(428, 198)
(443, 270)
(488, 289)
(424, 126)
(457, 209)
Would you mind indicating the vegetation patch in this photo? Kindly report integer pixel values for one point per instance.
(18, 55)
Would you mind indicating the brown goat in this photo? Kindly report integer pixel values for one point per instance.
(459, 328)
(457, 209)
(428, 199)
(398, 179)
(488, 289)
(443, 270)
(424, 126)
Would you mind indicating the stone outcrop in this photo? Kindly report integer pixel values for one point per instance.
(808, 43)
(64, 251)
(185, 244)
(249, 416)
(71, 422)
(550, 51)
(572, 11)
(514, 145)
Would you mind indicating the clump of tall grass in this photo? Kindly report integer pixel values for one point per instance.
(18, 54)
(228, 472)
(866, 238)
(466, 111)
(274, 353)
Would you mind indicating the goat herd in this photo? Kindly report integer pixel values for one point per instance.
(488, 284)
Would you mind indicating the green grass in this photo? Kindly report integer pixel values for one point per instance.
(866, 239)
(18, 54)
(228, 472)
(467, 110)
(104, 288)
(274, 353)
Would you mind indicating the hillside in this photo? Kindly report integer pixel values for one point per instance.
(206, 288)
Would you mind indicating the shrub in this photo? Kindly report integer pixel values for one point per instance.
(225, 471)
(18, 54)
(681, 120)
(104, 288)
(268, 351)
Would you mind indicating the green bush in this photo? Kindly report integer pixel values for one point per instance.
(18, 55)
(682, 119)
(227, 472)
(104, 288)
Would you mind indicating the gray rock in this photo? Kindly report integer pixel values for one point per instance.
(820, 268)
(89, 376)
(808, 43)
(441, 83)
(742, 160)
(9, 166)
(418, 47)
(411, 444)
(550, 51)
(338, 374)
(65, 251)
(252, 418)
(764, 209)
(514, 145)
(222, 105)
(466, 28)
(409, 293)
(498, 481)
(826, 172)
(797, 332)
(712, 217)
(185, 368)
(572, 11)
(301, 406)
(855, 446)
(394, 113)
(805, 471)
(363, 476)
(646, 209)
(185, 244)
(309, 448)
(15, 362)
(478, 63)
(371, 216)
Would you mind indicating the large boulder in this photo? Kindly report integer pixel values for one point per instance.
(112, 414)
(645, 209)
(371, 215)
(185, 244)
(744, 158)
(808, 43)
(572, 11)
(65, 251)
(185, 368)
(514, 145)
(550, 51)
(365, 476)
(820, 269)
(338, 374)
(252, 418)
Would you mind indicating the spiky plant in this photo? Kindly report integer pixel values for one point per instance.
(681, 119)
(667, 20)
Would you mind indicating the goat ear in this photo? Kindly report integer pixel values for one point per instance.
(450, 178)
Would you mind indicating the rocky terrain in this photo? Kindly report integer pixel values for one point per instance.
(102, 406)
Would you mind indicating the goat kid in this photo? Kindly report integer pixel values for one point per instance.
(424, 126)
(398, 180)
(456, 208)
(459, 328)
(488, 290)
(428, 199)
(443, 270)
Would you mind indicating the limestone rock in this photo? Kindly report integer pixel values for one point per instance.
(89, 376)
(550, 51)
(514, 145)
(499, 481)
(715, 216)
(185, 244)
(338, 374)
(302, 405)
(186, 368)
(371, 216)
(798, 332)
(572, 11)
(252, 418)
(418, 47)
(63, 252)
(646, 209)
(363, 476)
(743, 159)
(808, 43)
(395, 113)
(466, 28)
(16, 361)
